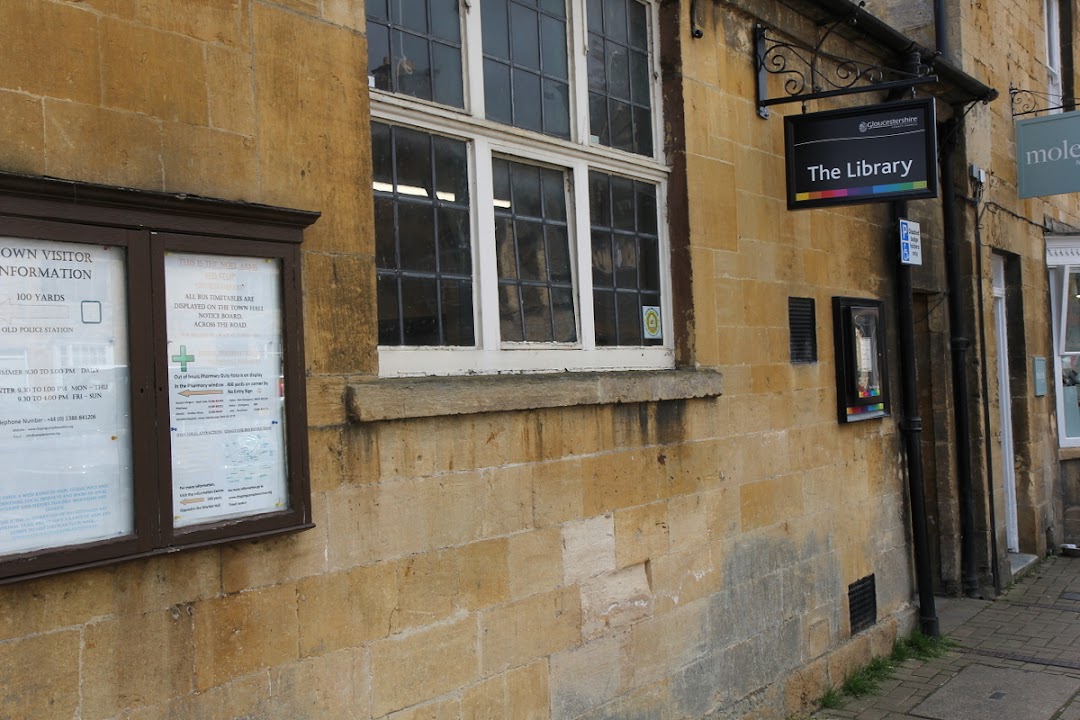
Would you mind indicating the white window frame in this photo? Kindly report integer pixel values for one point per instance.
(1052, 17)
(486, 139)
(1062, 257)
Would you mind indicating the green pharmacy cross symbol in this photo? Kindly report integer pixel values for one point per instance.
(183, 358)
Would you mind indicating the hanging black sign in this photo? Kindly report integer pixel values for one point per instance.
(859, 155)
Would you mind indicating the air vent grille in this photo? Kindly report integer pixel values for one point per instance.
(803, 325)
(862, 604)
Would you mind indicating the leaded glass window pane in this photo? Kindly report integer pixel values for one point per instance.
(414, 48)
(626, 261)
(423, 249)
(532, 246)
(620, 99)
(526, 71)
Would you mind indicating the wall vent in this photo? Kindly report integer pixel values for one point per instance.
(803, 326)
(862, 604)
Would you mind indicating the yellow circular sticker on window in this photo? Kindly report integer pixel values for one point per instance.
(650, 320)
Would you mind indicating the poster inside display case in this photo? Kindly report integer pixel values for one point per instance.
(861, 373)
(226, 386)
(65, 420)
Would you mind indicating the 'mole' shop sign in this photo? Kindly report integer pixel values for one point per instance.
(1048, 155)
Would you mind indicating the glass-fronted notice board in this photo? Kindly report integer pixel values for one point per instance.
(227, 426)
(65, 420)
(151, 374)
(861, 378)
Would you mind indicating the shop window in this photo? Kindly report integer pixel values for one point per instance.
(1065, 306)
(151, 375)
(520, 230)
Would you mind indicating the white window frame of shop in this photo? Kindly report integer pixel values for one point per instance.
(1063, 258)
(1052, 16)
(577, 156)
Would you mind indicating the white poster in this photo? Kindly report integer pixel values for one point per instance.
(226, 402)
(65, 424)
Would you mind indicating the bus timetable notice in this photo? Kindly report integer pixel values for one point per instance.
(225, 386)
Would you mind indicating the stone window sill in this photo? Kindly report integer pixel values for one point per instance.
(401, 398)
(1069, 453)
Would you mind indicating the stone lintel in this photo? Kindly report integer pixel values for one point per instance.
(401, 398)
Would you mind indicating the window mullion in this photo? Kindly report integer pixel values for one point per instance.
(582, 239)
(579, 71)
(487, 274)
(659, 151)
(473, 59)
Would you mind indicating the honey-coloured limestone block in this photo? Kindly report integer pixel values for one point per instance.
(770, 501)
(410, 668)
(484, 573)
(619, 480)
(230, 87)
(428, 587)
(97, 145)
(202, 161)
(672, 640)
(70, 69)
(22, 145)
(527, 695)
(325, 400)
(507, 500)
(164, 582)
(169, 83)
(338, 307)
(39, 676)
(269, 561)
(238, 634)
(217, 22)
(520, 632)
(330, 686)
(535, 562)
(326, 458)
(641, 533)
(313, 138)
(347, 13)
(558, 492)
(136, 660)
(48, 604)
(346, 609)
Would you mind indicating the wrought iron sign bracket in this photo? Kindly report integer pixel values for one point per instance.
(1026, 102)
(810, 74)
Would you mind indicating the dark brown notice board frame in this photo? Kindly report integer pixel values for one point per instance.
(147, 224)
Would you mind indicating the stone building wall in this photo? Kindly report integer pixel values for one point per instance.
(659, 548)
(1005, 45)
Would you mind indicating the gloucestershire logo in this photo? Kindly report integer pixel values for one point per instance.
(894, 123)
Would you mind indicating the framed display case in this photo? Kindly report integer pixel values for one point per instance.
(862, 391)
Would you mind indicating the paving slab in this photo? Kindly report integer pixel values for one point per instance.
(979, 692)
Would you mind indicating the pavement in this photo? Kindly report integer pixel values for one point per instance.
(1015, 658)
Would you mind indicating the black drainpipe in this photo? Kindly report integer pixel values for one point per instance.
(959, 340)
(960, 344)
(910, 421)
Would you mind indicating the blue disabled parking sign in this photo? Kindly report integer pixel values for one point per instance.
(910, 243)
